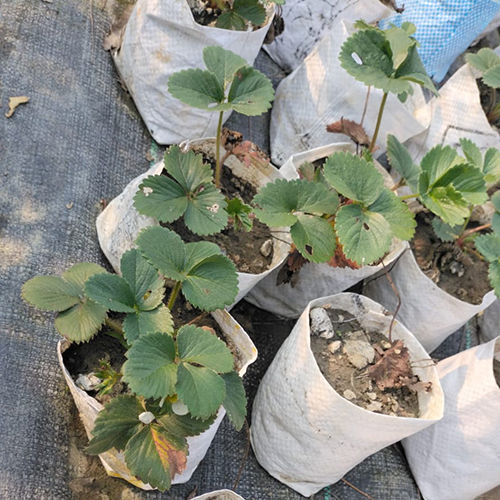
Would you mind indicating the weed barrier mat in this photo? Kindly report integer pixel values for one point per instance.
(77, 141)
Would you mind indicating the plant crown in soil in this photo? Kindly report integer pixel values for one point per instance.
(178, 376)
(450, 186)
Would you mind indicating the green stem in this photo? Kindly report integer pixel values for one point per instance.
(173, 295)
(115, 326)
(379, 121)
(218, 167)
(408, 196)
(117, 336)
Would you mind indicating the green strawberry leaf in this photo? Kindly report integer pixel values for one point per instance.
(198, 88)
(494, 276)
(115, 425)
(198, 346)
(223, 63)
(483, 60)
(251, 92)
(279, 203)
(235, 401)
(150, 370)
(353, 177)
(201, 389)
(472, 153)
(82, 321)
(446, 202)
(365, 236)
(144, 322)
(444, 231)
(492, 77)
(314, 238)
(489, 246)
(436, 163)
(396, 213)
(209, 279)
(491, 166)
(413, 70)
(79, 318)
(189, 192)
(252, 10)
(400, 160)
(111, 291)
(240, 213)
(230, 20)
(143, 279)
(400, 43)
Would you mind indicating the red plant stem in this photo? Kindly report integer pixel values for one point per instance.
(467, 233)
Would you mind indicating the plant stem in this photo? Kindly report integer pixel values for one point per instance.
(115, 326)
(472, 231)
(366, 105)
(173, 295)
(117, 336)
(399, 184)
(408, 196)
(379, 121)
(218, 167)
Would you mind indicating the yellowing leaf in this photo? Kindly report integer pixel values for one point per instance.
(171, 459)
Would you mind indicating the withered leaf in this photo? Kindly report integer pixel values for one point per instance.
(340, 260)
(289, 272)
(246, 151)
(393, 369)
(14, 102)
(350, 128)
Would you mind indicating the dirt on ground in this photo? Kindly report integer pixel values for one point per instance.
(242, 247)
(353, 344)
(459, 271)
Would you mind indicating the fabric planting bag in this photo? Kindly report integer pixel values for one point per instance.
(161, 38)
(113, 461)
(429, 312)
(489, 322)
(308, 436)
(456, 113)
(459, 457)
(219, 495)
(307, 22)
(328, 93)
(315, 280)
(119, 223)
(445, 29)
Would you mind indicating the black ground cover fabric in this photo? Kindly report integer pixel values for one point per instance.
(77, 141)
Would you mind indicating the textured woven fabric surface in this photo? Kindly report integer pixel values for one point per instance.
(77, 141)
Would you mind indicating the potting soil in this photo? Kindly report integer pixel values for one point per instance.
(74, 145)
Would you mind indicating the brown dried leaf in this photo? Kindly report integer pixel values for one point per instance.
(289, 272)
(393, 369)
(14, 102)
(350, 128)
(115, 37)
(340, 260)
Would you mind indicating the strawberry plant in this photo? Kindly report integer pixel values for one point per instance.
(387, 60)
(488, 63)
(451, 186)
(228, 84)
(345, 204)
(240, 14)
(177, 377)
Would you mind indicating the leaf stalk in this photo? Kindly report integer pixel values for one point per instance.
(218, 166)
(379, 121)
(174, 294)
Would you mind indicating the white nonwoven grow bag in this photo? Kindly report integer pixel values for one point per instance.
(489, 322)
(113, 461)
(456, 113)
(315, 280)
(429, 312)
(219, 495)
(307, 22)
(320, 92)
(119, 224)
(161, 38)
(307, 435)
(459, 457)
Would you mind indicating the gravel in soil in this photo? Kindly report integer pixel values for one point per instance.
(242, 247)
(345, 357)
(459, 272)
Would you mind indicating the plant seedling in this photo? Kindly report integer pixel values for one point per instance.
(346, 203)
(451, 186)
(488, 63)
(228, 84)
(177, 378)
(386, 59)
(239, 14)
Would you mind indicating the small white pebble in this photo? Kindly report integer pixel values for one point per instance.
(179, 408)
(334, 346)
(146, 417)
(349, 395)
